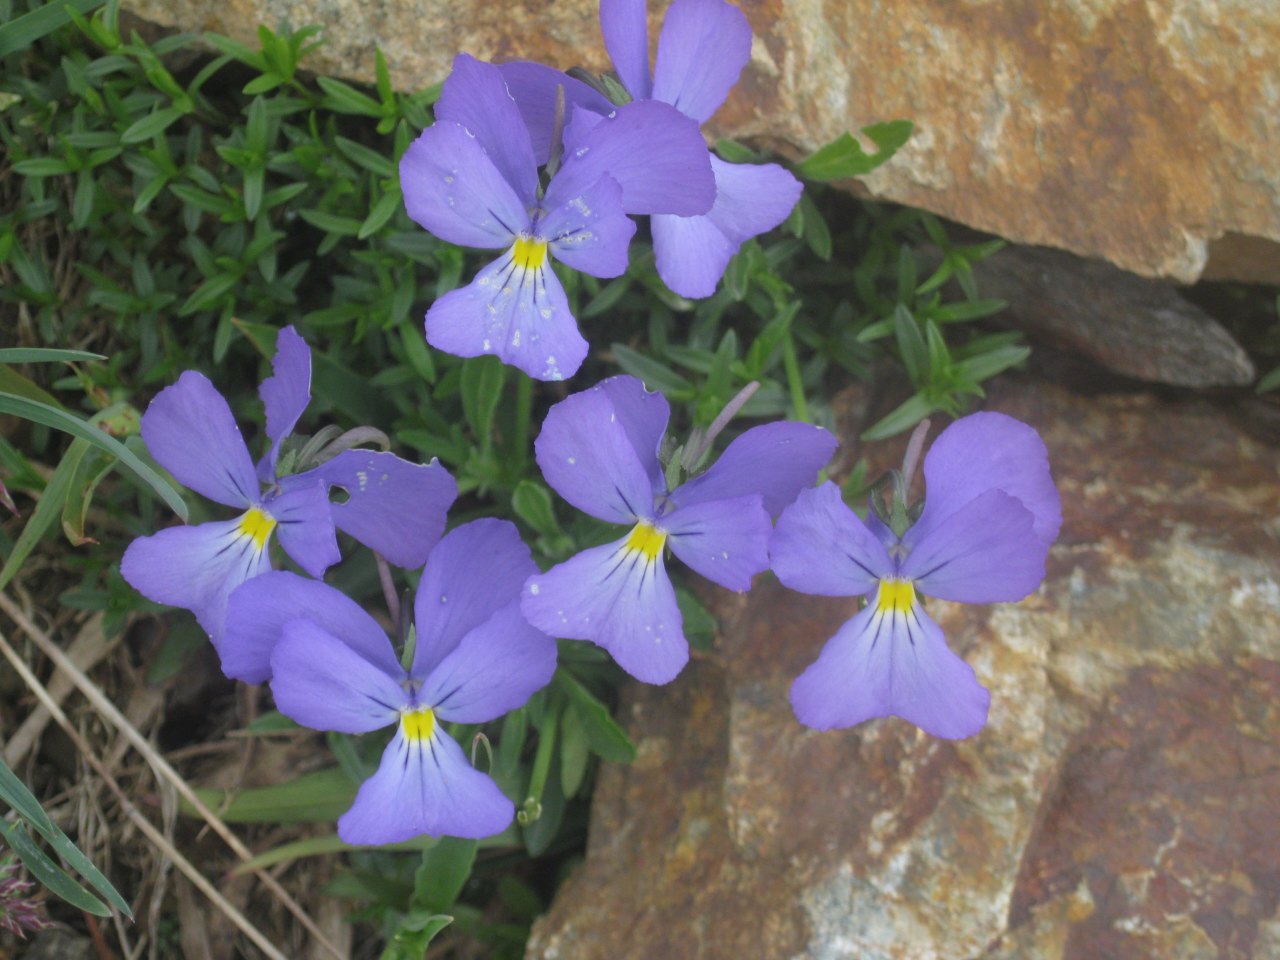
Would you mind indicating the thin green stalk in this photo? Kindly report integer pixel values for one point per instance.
(799, 405)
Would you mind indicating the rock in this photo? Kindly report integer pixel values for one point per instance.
(1144, 134)
(1120, 803)
(1133, 326)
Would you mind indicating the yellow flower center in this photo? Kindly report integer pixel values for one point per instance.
(418, 724)
(895, 596)
(529, 253)
(257, 526)
(646, 539)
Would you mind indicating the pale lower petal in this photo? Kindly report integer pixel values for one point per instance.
(893, 663)
(425, 786)
(520, 315)
(619, 598)
(692, 252)
(196, 568)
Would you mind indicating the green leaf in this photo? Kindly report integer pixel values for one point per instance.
(967, 310)
(93, 466)
(317, 797)
(42, 167)
(209, 293)
(41, 355)
(604, 735)
(844, 157)
(735, 152)
(1269, 382)
(446, 865)
(532, 503)
(273, 721)
(482, 379)
(656, 376)
(415, 934)
(22, 32)
(987, 365)
(699, 625)
(319, 846)
(381, 212)
(911, 345)
(377, 163)
(342, 98)
(906, 416)
(48, 873)
(816, 232)
(151, 125)
(46, 511)
(14, 792)
(331, 222)
(574, 753)
(61, 420)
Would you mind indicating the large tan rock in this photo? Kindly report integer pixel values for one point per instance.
(1143, 132)
(1121, 802)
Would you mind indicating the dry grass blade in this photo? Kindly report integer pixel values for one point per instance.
(135, 817)
(161, 766)
(86, 650)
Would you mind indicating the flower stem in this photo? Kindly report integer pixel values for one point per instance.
(388, 588)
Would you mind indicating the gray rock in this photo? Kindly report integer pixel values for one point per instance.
(1137, 327)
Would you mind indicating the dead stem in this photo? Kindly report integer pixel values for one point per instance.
(159, 764)
(126, 805)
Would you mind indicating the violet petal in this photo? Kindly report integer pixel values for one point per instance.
(727, 541)
(189, 430)
(891, 664)
(775, 460)
(521, 315)
(324, 684)
(821, 547)
(475, 571)
(425, 786)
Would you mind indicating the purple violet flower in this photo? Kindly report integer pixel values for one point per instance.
(333, 668)
(599, 450)
(702, 49)
(990, 515)
(472, 179)
(393, 506)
